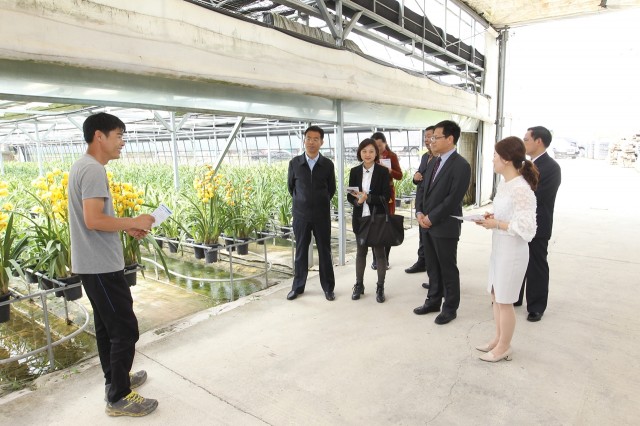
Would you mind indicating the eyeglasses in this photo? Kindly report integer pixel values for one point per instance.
(312, 139)
(435, 138)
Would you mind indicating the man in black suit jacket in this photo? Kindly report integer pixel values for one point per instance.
(312, 184)
(536, 280)
(418, 178)
(441, 197)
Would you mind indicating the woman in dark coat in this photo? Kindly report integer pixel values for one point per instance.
(372, 181)
(395, 172)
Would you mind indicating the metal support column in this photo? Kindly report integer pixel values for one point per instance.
(339, 149)
(174, 152)
(173, 129)
(502, 61)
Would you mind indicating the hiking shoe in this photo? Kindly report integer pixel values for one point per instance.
(136, 379)
(132, 405)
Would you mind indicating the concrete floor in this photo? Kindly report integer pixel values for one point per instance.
(266, 360)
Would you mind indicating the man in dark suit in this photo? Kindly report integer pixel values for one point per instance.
(418, 178)
(312, 184)
(536, 280)
(440, 198)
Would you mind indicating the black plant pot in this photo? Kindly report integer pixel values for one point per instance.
(285, 230)
(228, 241)
(159, 242)
(5, 311)
(243, 249)
(131, 274)
(211, 254)
(262, 234)
(173, 246)
(31, 277)
(198, 252)
(72, 293)
(47, 284)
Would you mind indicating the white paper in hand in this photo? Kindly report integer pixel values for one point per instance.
(386, 162)
(161, 214)
(472, 218)
(353, 190)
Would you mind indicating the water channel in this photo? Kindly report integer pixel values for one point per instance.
(158, 301)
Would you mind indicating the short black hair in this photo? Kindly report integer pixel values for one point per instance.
(365, 143)
(542, 133)
(379, 136)
(449, 128)
(315, 129)
(432, 128)
(103, 122)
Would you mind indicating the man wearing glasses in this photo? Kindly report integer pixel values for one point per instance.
(312, 184)
(536, 280)
(440, 198)
(418, 179)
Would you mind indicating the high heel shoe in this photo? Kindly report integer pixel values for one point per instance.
(490, 357)
(485, 348)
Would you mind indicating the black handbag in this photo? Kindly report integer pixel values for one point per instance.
(381, 230)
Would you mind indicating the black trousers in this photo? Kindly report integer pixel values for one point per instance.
(536, 281)
(421, 247)
(441, 256)
(321, 231)
(361, 262)
(116, 328)
(387, 250)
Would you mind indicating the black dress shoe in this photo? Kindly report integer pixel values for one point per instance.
(374, 266)
(415, 268)
(329, 295)
(292, 295)
(426, 309)
(425, 285)
(534, 316)
(445, 317)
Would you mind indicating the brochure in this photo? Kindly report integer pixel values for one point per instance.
(161, 214)
(472, 218)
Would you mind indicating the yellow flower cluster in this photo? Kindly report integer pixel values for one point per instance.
(238, 197)
(4, 217)
(126, 199)
(208, 185)
(52, 191)
(4, 189)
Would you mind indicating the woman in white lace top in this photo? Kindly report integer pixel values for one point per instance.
(513, 223)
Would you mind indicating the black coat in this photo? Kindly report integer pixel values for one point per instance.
(443, 197)
(311, 193)
(379, 192)
(550, 177)
(424, 161)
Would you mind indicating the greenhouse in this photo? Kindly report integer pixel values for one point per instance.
(216, 96)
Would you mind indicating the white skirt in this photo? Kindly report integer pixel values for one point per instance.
(507, 266)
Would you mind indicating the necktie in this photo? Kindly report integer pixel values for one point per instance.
(435, 169)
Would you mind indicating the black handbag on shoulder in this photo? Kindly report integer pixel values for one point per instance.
(381, 229)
